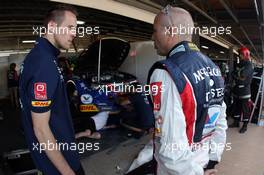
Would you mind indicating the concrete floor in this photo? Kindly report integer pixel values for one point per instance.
(247, 154)
(116, 160)
(245, 158)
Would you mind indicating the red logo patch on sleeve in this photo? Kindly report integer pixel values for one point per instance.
(40, 91)
(156, 95)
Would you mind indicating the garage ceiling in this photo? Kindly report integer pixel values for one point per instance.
(17, 19)
(244, 16)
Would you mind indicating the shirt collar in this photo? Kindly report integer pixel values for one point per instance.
(50, 47)
(183, 46)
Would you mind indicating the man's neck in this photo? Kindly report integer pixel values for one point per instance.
(172, 46)
(51, 40)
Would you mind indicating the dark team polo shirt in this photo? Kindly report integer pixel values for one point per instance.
(143, 109)
(42, 89)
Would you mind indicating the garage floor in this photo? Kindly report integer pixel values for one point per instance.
(246, 156)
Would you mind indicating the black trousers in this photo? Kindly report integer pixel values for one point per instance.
(241, 108)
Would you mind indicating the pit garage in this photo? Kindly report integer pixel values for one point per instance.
(113, 49)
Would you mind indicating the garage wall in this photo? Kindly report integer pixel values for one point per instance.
(3, 78)
(4, 66)
(140, 59)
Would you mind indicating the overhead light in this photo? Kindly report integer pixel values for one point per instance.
(68, 51)
(205, 47)
(222, 52)
(28, 41)
(80, 22)
(4, 54)
(256, 7)
(9, 52)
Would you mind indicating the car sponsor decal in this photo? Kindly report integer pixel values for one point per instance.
(156, 95)
(41, 103)
(86, 99)
(40, 91)
(212, 116)
(193, 47)
(88, 108)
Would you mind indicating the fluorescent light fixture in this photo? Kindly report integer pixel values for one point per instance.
(71, 50)
(80, 22)
(28, 41)
(68, 51)
(205, 47)
(222, 52)
(256, 7)
(6, 53)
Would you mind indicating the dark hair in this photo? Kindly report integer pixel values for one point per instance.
(12, 66)
(57, 13)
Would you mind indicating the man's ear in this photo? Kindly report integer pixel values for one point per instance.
(52, 25)
(173, 39)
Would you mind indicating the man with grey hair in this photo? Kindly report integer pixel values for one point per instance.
(189, 108)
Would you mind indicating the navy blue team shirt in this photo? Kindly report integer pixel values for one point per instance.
(42, 88)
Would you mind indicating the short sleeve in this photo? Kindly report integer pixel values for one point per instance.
(43, 86)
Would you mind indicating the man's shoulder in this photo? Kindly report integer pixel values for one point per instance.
(37, 57)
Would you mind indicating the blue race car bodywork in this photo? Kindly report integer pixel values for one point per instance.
(92, 99)
(91, 89)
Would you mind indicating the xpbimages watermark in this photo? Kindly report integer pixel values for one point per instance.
(152, 89)
(80, 31)
(80, 147)
(183, 30)
(213, 147)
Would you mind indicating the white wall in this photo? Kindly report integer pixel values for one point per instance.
(4, 66)
(144, 58)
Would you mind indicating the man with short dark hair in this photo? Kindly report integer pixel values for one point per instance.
(45, 110)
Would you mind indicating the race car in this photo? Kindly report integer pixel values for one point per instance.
(96, 81)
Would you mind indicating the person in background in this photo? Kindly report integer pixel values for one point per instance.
(66, 68)
(242, 104)
(12, 83)
(135, 114)
(90, 126)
